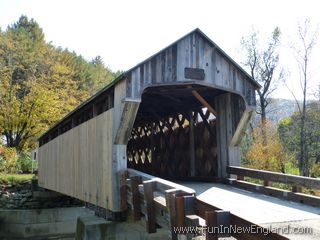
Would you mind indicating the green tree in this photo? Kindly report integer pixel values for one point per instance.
(100, 75)
(289, 132)
(40, 83)
(35, 87)
(303, 50)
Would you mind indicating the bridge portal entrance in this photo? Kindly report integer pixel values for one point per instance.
(175, 133)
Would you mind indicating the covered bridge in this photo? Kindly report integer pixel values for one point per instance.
(178, 115)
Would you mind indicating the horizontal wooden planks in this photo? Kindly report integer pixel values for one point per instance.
(279, 193)
(275, 177)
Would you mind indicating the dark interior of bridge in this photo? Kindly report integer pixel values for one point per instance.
(174, 134)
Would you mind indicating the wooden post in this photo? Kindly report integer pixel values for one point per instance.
(192, 150)
(239, 177)
(189, 202)
(215, 219)
(211, 222)
(180, 215)
(135, 181)
(193, 221)
(148, 187)
(267, 183)
(180, 211)
(123, 190)
(171, 206)
(296, 189)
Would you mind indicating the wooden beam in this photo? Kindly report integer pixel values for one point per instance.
(191, 141)
(242, 127)
(204, 102)
(161, 184)
(279, 193)
(174, 99)
(275, 177)
(128, 116)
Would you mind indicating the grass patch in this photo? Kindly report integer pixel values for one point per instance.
(253, 180)
(15, 178)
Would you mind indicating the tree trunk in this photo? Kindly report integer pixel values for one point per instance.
(263, 128)
(303, 164)
(263, 122)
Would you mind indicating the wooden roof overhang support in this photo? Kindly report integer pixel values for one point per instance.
(128, 116)
(203, 102)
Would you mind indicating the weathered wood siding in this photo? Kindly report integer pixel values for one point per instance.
(78, 163)
(193, 59)
(87, 161)
(230, 110)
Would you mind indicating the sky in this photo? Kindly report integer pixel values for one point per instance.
(126, 32)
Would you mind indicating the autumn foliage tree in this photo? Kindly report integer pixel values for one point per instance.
(266, 156)
(39, 83)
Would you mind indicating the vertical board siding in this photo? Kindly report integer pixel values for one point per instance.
(230, 108)
(158, 70)
(193, 51)
(85, 162)
(76, 162)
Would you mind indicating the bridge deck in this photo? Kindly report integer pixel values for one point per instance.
(258, 208)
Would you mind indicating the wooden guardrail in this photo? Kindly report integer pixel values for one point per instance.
(177, 208)
(296, 182)
(149, 196)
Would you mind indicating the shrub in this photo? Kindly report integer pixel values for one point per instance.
(315, 170)
(9, 160)
(267, 155)
(2, 164)
(24, 162)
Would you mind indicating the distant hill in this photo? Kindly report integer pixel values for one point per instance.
(279, 109)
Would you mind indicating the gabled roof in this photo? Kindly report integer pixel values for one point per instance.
(124, 75)
(213, 44)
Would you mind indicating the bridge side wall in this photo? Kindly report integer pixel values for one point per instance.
(86, 162)
(78, 163)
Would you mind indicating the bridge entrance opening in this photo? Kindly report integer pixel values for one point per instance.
(175, 133)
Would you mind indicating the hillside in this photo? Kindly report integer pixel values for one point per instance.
(280, 109)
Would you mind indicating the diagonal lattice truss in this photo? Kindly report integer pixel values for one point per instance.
(162, 147)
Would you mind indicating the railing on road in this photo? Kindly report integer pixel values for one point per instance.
(162, 203)
(296, 182)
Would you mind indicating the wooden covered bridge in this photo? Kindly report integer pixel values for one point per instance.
(180, 116)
